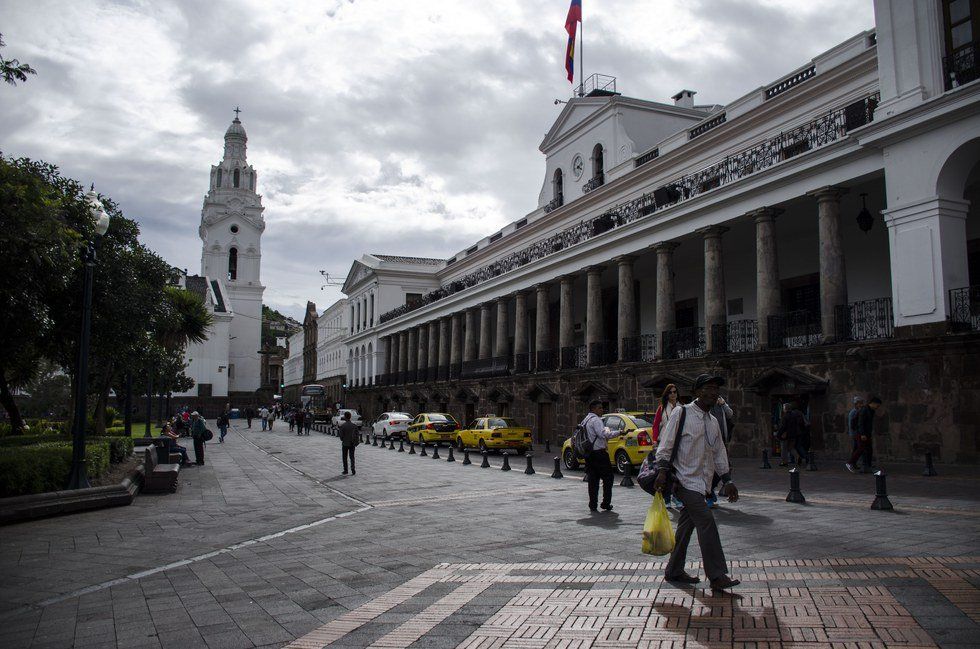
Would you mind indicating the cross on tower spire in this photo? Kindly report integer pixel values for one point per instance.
(237, 110)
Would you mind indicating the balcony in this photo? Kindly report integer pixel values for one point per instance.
(554, 204)
(604, 352)
(639, 348)
(545, 361)
(960, 67)
(485, 368)
(964, 309)
(574, 357)
(522, 363)
(735, 337)
(794, 330)
(865, 320)
(687, 342)
(597, 181)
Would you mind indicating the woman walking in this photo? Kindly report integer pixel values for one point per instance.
(668, 402)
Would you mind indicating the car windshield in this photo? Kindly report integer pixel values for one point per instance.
(500, 422)
(640, 422)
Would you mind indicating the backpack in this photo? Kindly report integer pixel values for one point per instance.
(581, 442)
(649, 470)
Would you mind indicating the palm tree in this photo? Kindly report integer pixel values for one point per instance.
(185, 319)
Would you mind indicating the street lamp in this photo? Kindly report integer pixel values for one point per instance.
(79, 478)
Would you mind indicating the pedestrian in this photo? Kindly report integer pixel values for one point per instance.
(865, 434)
(224, 419)
(725, 417)
(198, 430)
(297, 421)
(792, 434)
(858, 403)
(668, 401)
(249, 415)
(307, 421)
(700, 454)
(349, 439)
(291, 418)
(597, 464)
(264, 416)
(170, 437)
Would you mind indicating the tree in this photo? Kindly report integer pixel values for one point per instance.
(13, 70)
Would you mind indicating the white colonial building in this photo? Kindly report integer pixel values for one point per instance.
(815, 238)
(231, 231)
(292, 367)
(331, 362)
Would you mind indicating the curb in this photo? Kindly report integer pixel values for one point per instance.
(57, 503)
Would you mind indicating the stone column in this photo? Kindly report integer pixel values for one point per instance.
(666, 317)
(402, 354)
(444, 346)
(469, 335)
(456, 340)
(502, 346)
(566, 321)
(833, 277)
(423, 351)
(520, 325)
(389, 349)
(413, 352)
(433, 363)
(768, 300)
(715, 307)
(626, 322)
(485, 331)
(542, 326)
(594, 333)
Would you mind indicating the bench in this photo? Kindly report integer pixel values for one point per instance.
(164, 456)
(159, 478)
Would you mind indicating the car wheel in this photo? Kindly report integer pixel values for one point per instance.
(569, 459)
(622, 459)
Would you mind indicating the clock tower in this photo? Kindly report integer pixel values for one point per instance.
(231, 231)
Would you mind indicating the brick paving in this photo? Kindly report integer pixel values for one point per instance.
(268, 546)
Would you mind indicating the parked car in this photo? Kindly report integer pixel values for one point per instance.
(494, 433)
(433, 428)
(392, 424)
(630, 448)
(355, 418)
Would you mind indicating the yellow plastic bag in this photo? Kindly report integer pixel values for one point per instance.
(658, 535)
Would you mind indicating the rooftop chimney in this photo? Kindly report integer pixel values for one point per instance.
(684, 99)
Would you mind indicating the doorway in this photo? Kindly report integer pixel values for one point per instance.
(469, 413)
(776, 404)
(546, 422)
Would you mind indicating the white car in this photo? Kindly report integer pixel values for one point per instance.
(392, 424)
(355, 418)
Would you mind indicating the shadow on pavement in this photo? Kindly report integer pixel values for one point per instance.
(604, 519)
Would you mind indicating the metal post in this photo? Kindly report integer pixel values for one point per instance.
(450, 457)
(423, 453)
(411, 447)
(486, 462)
(435, 451)
(466, 457)
(627, 480)
(811, 462)
(391, 443)
(401, 446)
(78, 478)
(930, 470)
(149, 402)
(128, 405)
(530, 467)
(765, 459)
(547, 446)
(795, 495)
(881, 502)
(506, 466)
(557, 474)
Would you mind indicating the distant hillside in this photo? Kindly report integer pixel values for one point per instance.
(276, 325)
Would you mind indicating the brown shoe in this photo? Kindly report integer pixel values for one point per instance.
(724, 582)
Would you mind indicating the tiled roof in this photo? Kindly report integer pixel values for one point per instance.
(422, 261)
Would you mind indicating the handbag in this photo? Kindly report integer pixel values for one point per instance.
(208, 435)
(649, 470)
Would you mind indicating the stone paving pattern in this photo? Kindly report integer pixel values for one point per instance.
(268, 545)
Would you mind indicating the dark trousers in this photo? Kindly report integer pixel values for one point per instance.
(199, 450)
(348, 451)
(696, 515)
(597, 467)
(249, 420)
(863, 449)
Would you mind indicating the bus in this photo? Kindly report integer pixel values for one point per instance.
(314, 398)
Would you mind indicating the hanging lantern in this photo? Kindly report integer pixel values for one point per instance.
(864, 218)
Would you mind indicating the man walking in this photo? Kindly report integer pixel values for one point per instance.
(700, 454)
(198, 430)
(249, 415)
(852, 421)
(264, 416)
(307, 421)
(349, 439)
(792, 431)
(597, 465)
(224, 419)
(865, 432)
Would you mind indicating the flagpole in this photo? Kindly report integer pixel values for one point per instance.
(581, 46)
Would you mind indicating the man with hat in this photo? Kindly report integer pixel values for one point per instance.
(198, 430)
(700, 455)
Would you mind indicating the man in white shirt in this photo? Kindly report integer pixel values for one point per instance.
(700, 455)
(597, 464)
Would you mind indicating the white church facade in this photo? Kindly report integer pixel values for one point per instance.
(231, 228)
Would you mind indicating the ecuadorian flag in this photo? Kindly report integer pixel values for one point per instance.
(571, 21)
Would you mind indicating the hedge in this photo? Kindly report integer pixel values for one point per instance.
(45, 467)
(120, 448)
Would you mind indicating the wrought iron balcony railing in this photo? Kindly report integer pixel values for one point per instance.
(687, 342)
(604, 352)
(574, 357)
(597, 181)
(455, 370)
(545, 361)
(735, 337)
(794, 330)
(442, 373)
(964, 309)
(522, 363)
(960, 67)
(818, 132)
(639, 348)
(485, 368)
(554, 203)
(865, 320)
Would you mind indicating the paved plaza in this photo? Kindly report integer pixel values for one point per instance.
(269, 546)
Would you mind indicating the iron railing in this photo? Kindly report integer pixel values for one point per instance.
(442, 373)
(964, 309)
(960, 67)
(687, 342)
(735, 337)
(865, 320)
(794, 330)
(485, 368)
(647, 157)
(704, 127)
(545, 361)
(604, 352)
(597, 181)
(790, 82)
(821, 131)
(573, 357)
(522, 363)
(455, 369)
(554, 203)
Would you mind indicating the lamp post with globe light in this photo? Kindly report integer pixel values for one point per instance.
(79, 478)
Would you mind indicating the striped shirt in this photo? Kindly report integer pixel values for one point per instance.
(701, 453)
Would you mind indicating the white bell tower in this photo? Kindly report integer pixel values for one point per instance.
(231, 229)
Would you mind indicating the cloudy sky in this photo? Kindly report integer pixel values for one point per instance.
(375, 125)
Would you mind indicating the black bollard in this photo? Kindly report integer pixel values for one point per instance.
(486, 462)
(401, 446)
(374, 440)
(506, 466)
(811, 461)
(466, 456)
(435, 451)
(423, 453)
(450, 457)
(881, 502)
(547, 446)
(411, 448)
(392, 446)
(930, 470)
(795, 495)
(530, 468)
(556, 474)
(627, 480)
(765, 459)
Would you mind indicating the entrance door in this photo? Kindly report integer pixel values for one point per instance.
(776, 403)
(469, 413)
(546, 422)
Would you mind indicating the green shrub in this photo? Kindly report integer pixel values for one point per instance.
(28, 440)
(120, 448)
(46, 466)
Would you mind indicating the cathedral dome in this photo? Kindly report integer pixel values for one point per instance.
(236, 129)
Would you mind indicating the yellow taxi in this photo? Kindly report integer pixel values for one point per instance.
(492, 433)
(433, 428)
(630, 448)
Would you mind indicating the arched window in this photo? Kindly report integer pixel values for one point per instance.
(251, 181)
(233, 263)
(597, 162)
(236, 179)
(559, 190)
(217, 178)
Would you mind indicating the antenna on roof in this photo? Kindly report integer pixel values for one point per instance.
(329, 281)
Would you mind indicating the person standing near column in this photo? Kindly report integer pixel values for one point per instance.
(865, 433)
(597, 465)
(198, 430)
(348, 441)
(700, 454)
